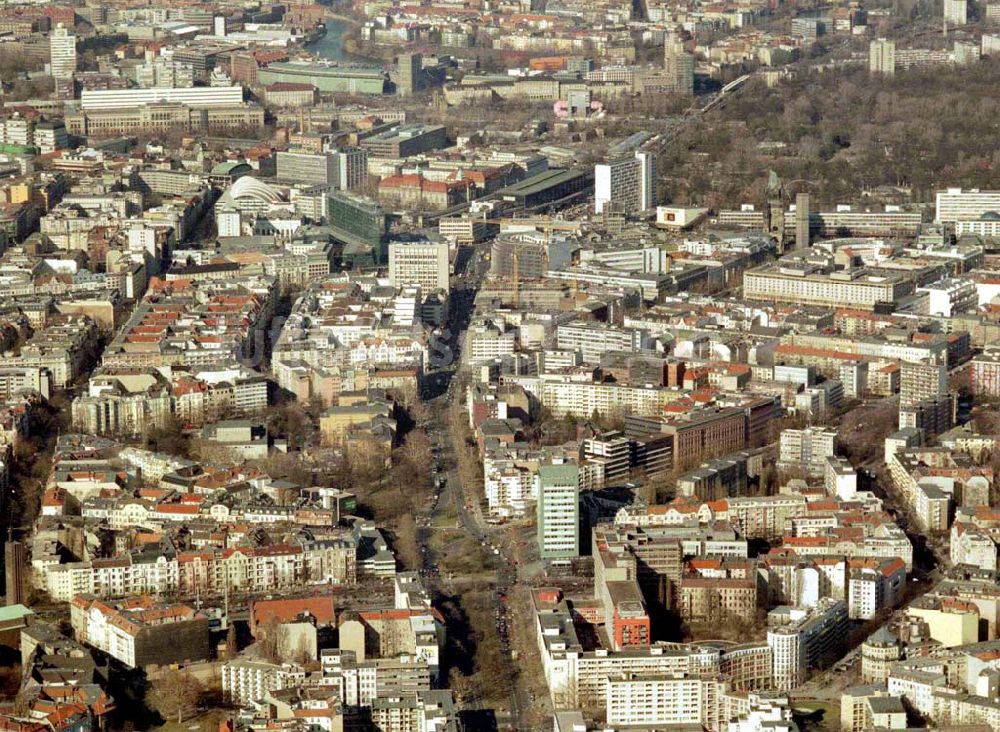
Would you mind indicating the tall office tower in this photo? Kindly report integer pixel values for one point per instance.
(774, 209)
(350, 169)
(882, 57)
(342, 170)
(919, 382)
(62, 45)
(647, 179)
(410, 67)
(616, 183)
(420, 263)
(13, 562)
(956, 12)
(678, 66)
(628, 183)
(558, 511)
(802, 221)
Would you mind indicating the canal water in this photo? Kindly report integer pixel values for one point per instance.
(331, 45)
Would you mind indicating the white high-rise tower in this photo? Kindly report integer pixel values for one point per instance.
(62, 50)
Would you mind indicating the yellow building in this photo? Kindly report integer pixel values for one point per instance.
(950, 622)
(356, 411)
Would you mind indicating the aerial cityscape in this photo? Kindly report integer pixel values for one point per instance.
(460, 365)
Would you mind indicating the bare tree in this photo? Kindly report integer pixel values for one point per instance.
(175, 695)
(407, 547)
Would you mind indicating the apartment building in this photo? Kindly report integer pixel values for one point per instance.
(141, 632)
(117, 412)
(761, 517)
(973, 544)
(840, 479)
(245, 681)
(509, 487)
(575, 676)
(716, 600)
(984, 374)
(433, 710)
(658, 550)
(162, 73)
(956, 12)
(803, 639)
(331, 561)
(869, 707)
(565, 396)
(63, 347)
(195, 323)
(806, 449)
(919, 382)
(14, 379)
(949, 297)
(879, 651)
(361, 682)
(558, 512)
(651, 699)
(873, 585)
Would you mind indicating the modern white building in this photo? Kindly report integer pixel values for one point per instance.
(62, 53)
(840, 480)
(854, 376)
(956, 12)
(949, 296)
(652, 699)
(51, 136)
(955, 204)
(17, 130)
(801, 639)
(986, 226)
(488, 341)
(628, 182)
(162, 73)
(199, 97)
(341, 169)
(422, 263)
(882, 57)
(592, 340)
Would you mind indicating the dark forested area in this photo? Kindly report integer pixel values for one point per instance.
(845, 131)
